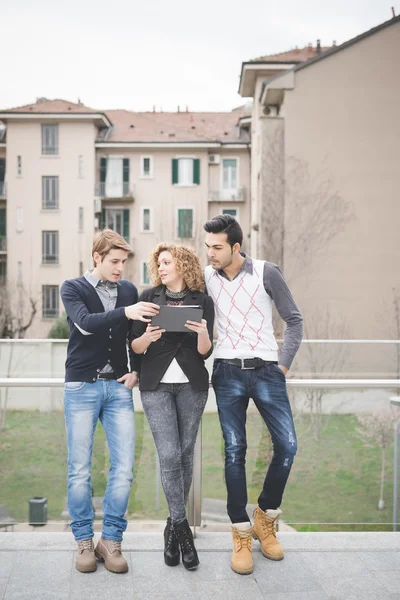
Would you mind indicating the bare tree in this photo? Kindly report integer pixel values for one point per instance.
(321, 361)
(376, 430)
(17, 312)
(301, 213)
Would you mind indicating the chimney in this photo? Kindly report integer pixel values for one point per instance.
(154, 108)
(334, 43)
(179, 110)
(187, 108)
(393, 12)
(318, 46)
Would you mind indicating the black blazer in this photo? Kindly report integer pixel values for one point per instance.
(182, 346)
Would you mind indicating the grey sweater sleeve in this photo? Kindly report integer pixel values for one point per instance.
(277, 288)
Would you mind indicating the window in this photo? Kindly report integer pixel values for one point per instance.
(144, 274)
(146, 166)
(186, 171)
(50, 193)
(80, 219)
(80, 166)
(3, 268)
(2, 177)
(231, 211)
(3, 230)
(229, 175)
(114, 177)
(50, 139)
(116, 219)
(185, 222)
(50, 247)
(50, 301)
(146, 222)
(19, 166)
(20, 218)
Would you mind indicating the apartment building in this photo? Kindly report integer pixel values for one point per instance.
(325, 135)
(67, 170)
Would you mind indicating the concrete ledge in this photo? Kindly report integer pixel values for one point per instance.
(213, 542)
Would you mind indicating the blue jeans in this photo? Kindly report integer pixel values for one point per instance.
(233, 389)
(84, 404)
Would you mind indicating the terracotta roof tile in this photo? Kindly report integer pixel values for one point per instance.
(153, 126)
(174, 127)
(295, 55)
(51, 106)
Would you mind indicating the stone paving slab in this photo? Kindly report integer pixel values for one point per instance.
(351, 566)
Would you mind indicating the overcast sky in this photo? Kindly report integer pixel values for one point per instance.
(133, 55)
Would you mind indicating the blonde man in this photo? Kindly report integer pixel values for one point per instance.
(98, 386)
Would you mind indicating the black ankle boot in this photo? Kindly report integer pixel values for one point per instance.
(185, 538)
(171, 546)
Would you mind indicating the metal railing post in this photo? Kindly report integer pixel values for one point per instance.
(396, 477)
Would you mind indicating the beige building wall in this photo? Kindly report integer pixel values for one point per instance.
(78, 167)
(76, 143)
(164, 199)
(341, 137)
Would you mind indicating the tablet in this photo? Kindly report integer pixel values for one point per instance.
(173, 318)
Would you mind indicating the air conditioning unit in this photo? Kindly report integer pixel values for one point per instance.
(214, 159)
(97, 205)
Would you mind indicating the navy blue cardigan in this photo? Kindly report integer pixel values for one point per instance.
(87, 354)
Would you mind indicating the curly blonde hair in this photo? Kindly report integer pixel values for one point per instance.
(187, 264)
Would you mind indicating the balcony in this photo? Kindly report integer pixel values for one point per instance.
(3, 244)
(3, 190)
(338, 542)
(121, 191)
(316, 567)
(238, 195)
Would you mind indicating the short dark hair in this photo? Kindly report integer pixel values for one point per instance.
(226, 224)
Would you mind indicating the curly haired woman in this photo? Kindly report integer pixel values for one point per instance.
(174, 382)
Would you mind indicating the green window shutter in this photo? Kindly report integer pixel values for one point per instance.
(175, 178)
(126, 224)
(2, 221)
(103, 170)
(125, 170)
(196, 171)
(102, 220)
(185, 223)
(2, 169)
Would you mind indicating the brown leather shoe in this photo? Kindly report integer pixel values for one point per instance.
(86, 560)
(264, 529)
(242, 554)
(109, 551)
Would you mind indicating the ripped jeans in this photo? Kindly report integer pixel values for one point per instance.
(267, 386)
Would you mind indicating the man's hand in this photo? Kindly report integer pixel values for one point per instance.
(141, 310)
(284, 369)
(153, 333)
(199, 328)
(129, 380)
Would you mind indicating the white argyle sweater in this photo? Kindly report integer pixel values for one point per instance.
(243, 314)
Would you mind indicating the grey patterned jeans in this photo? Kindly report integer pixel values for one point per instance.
(174, 411)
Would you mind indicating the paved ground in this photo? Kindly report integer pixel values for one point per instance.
(348, 566)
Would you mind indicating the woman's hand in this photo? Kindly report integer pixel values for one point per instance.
(199, 328)
(152, 333)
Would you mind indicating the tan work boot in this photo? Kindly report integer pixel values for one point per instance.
(110, 552)
(264, 529)
(86, 560)
(242, 554)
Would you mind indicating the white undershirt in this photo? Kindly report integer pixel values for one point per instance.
(174, 374)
